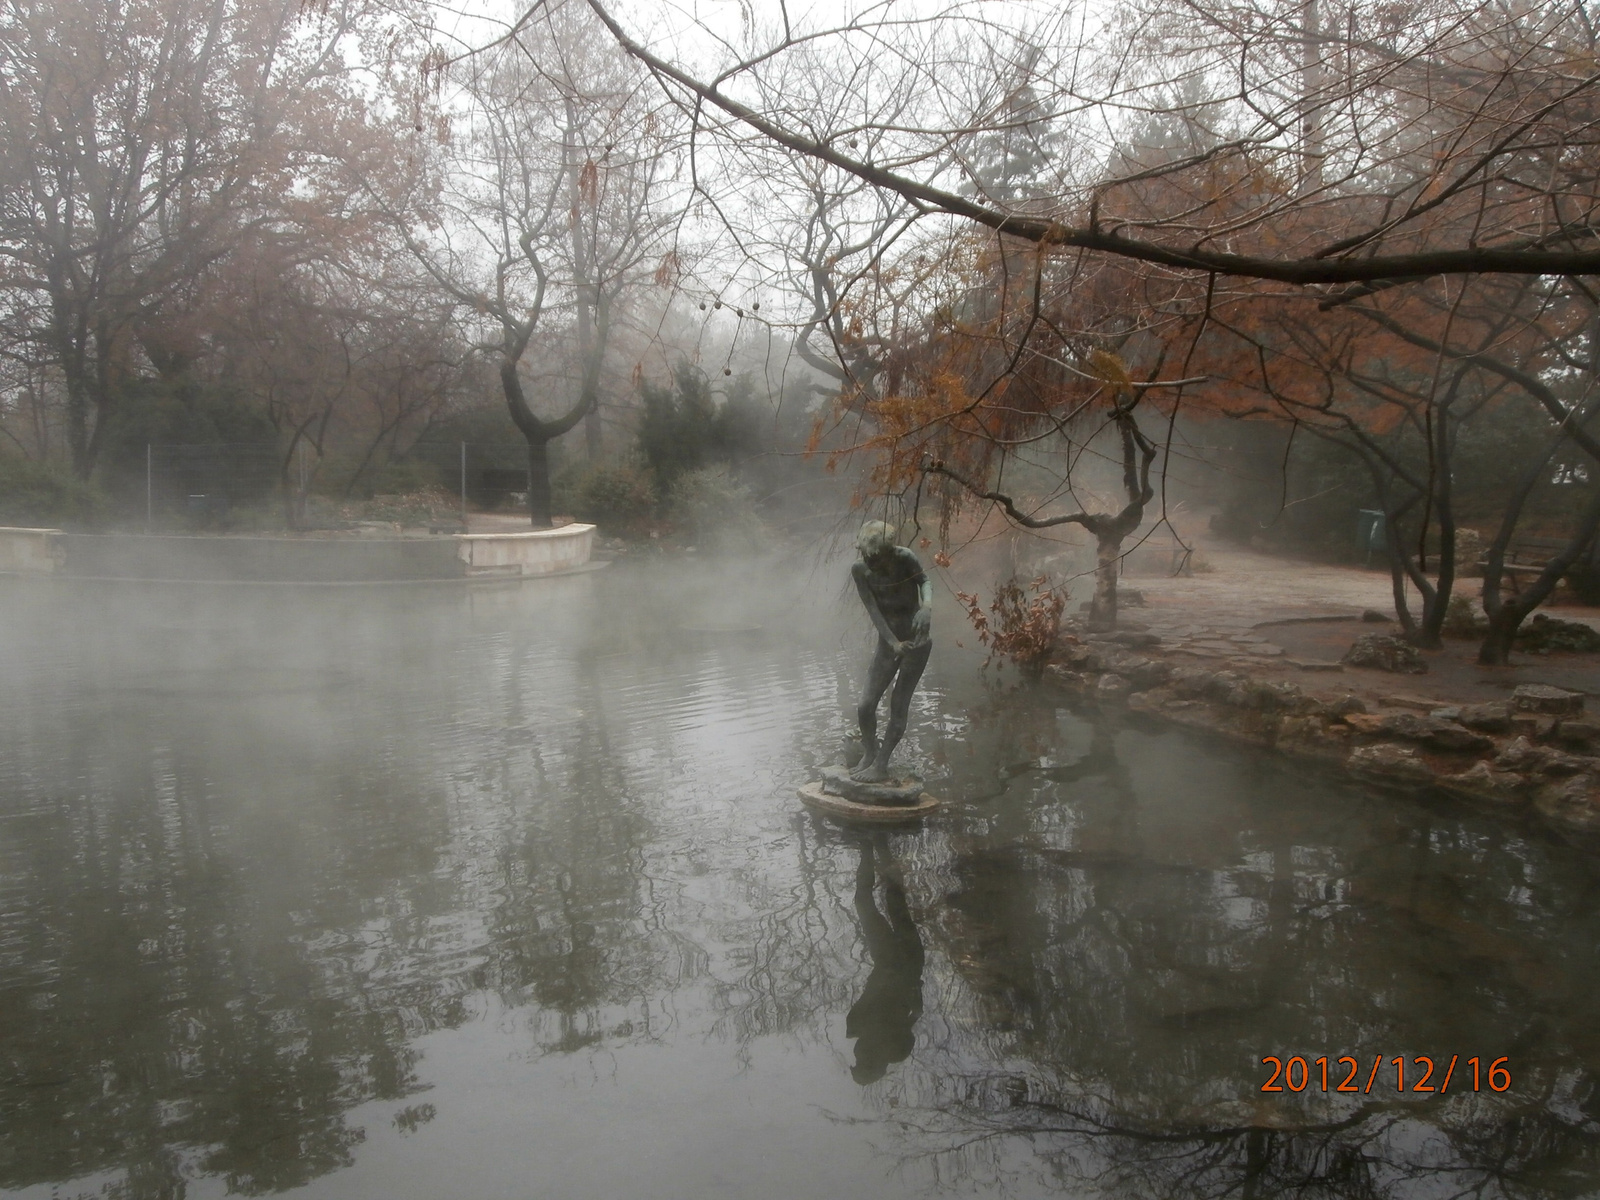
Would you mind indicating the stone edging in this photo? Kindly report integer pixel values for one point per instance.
(250, 558)
(1537, 750)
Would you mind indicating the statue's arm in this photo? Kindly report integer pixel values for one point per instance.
(858, 572)
(922, 619)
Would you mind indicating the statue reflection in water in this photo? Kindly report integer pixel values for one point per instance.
(881, 1020)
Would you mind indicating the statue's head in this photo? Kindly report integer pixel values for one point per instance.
(875, 538)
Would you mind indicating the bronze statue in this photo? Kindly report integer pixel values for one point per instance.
(899, 599)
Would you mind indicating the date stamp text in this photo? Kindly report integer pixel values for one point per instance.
(1414, 1073)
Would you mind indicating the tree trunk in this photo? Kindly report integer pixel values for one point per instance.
(1405, 570)
(583, 200)
(1397, 577)
(294, 507)
(539, 503)
(291, 480)
(1431, 635)
(591, 433)
(1508, 616)
(1312, 149)
(78, 426)
(1496, 648)
(1108, 561)
(590, 355)
(539, 434)
(594, 338)
(1401, 569)
(67, 338)
(1442, 498)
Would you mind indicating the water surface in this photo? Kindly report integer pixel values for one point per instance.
(505, 892)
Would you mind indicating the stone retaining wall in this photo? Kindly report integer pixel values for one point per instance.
(258, 559)
(229, 558)
(536, 552)
(1538, 750)
(31, 551)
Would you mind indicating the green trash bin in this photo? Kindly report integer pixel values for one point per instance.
(1370, 532)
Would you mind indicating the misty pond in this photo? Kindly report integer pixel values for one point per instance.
(505, 891)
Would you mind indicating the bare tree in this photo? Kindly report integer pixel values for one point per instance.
(1425, 128)
(141, 143)
(543, 206)
(1345, 148)
(1109, 529)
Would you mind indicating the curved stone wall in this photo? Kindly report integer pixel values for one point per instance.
(284, 559)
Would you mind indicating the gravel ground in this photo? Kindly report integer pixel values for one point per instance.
(1274, 616)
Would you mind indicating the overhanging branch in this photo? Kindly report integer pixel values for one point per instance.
(1090, 521)
(1303, 271)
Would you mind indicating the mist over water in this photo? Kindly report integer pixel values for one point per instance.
(505, 891)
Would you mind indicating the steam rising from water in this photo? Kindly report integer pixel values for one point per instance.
(423, 891)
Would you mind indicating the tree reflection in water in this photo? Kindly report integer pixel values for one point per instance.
(1125, 975)
(228, 915)
(228, 912)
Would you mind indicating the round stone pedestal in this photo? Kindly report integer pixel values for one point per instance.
(891, 801)
(876, 814)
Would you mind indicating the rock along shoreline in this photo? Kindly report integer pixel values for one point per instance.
(1537, 751)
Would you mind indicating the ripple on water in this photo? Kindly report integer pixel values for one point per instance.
(541, 860)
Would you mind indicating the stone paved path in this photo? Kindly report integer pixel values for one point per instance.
(1228, 612)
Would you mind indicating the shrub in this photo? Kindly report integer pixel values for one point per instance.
(206, 439)
(620, 498)
(1462, 619)
(337, 477)
(683, 429)
(1017, 626)
(678, 429)
(1545, 632)
(716, 510)
(44, 493)
(415, 508)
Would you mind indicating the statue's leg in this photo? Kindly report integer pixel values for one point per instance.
(900, 705)
(878, 676)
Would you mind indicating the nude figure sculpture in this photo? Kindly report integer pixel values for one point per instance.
(899, 599)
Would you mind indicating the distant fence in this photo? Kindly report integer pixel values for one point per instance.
(208, 480)
(200, 484)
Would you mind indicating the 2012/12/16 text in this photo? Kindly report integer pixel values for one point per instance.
(1296, 1074)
